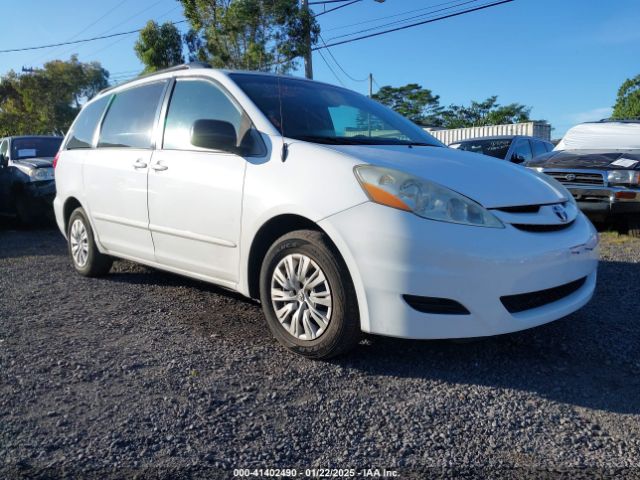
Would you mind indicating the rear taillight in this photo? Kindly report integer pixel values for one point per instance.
(55, 159)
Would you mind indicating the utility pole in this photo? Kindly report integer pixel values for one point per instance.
(370, 85)
(308, 63)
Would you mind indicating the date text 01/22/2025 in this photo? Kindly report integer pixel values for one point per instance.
(315, 472)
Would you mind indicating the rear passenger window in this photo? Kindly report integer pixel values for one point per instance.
(85, 125)
(522, 151)
(129, 120)
(199, 99)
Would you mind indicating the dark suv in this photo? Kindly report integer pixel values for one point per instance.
(515, 148)
(599, 162)
(27, 186)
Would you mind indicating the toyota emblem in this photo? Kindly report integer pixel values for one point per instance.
(561, 213)
(570, 177)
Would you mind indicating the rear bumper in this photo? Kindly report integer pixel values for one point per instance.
(392, 254)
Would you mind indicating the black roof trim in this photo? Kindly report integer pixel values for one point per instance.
(184, 66)
(615, 120)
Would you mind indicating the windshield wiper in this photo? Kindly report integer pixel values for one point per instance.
(325, 140)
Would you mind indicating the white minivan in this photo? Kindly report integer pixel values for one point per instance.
(338, 214)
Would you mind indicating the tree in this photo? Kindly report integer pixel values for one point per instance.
(412, 101)
(628, 102)
(159, 47)
(487, 112)
(263, 35)
(47, 100)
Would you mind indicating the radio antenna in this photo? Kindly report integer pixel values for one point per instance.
(285, 147)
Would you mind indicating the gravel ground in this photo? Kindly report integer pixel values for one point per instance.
(144, 373)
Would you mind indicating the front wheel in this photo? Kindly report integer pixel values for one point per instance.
(308, 297)
(87, 259)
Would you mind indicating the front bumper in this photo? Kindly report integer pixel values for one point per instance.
(38, 197)
(44, 190)
(391, 253)
(605, 202)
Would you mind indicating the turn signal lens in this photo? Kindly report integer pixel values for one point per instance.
(626, 195)
(383, 197)
(55, 159)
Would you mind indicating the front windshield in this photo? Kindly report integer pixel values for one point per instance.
(32, 147)
(321, 113)
(494, 148)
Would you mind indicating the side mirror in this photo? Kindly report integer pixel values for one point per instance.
(215, 135)
(4, 160)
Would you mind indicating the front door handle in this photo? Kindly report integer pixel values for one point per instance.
(158, 167)
(139, 164)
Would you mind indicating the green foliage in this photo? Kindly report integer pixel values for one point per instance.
(47, 100)
(412, 101)
(487, 112)
(628, 102)
(159, 47)
(263, 35)
(422, 107)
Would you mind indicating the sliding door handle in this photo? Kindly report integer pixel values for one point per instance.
(158, 167)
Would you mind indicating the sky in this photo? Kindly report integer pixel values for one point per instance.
(564, 58)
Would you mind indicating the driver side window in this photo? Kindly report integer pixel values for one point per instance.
(4, 148)
(195, 99)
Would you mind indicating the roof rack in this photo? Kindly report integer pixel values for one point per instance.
(616, 120)
(184, 66)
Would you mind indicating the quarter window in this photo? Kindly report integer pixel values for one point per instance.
(130, 118)
(85, 125)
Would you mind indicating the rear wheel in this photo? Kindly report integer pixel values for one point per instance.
(308, 297)
(86, 258)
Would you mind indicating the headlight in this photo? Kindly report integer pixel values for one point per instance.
(426, 199)
(624, 177)
(42, 174)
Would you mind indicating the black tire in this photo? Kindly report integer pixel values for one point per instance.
(97, 264)
(24, 210)
(343, 329)
(633, 227)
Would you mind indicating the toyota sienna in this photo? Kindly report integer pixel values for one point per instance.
(338, 214)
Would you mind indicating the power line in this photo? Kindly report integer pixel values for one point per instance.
(390, 16)
(94, 52)
(98, 20)
(331, 69)
(338, 63)
(84, 30)
(424, 22)
(327, 1)
(337, 8)
(40, 47)
(396, 22)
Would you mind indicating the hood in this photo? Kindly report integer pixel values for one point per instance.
(594, 159)
(489, 181)
(41, 162)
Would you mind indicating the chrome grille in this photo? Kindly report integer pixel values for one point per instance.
(577, 178)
